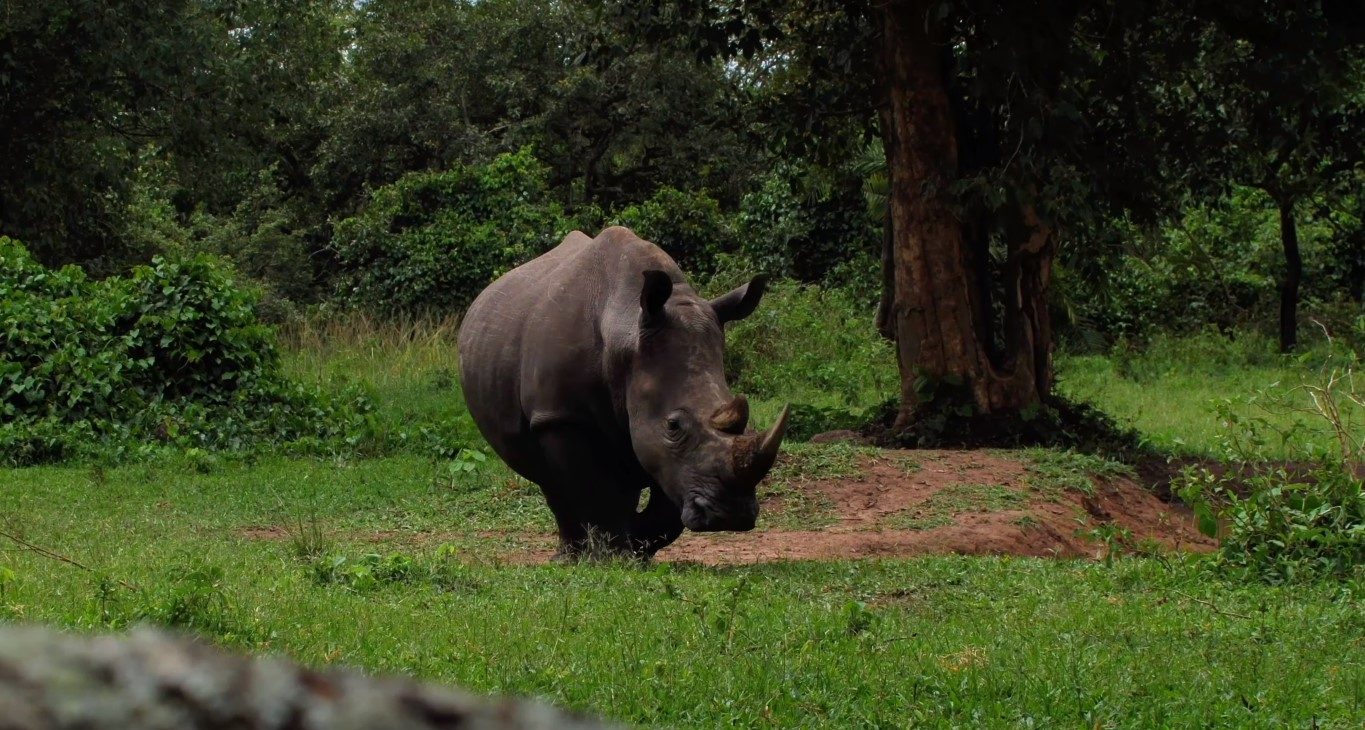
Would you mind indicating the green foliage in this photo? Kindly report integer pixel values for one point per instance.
(172, 354)
(814, 347)
(263, 239)
(432, 241)
(82, 84)
(1284, 521)
(367, 573)
(805, 224)
(689, 226)
(373, 571)
(192, 599)
(1281, 526)
(1216, 266)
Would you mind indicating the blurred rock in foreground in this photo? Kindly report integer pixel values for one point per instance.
(151, 679)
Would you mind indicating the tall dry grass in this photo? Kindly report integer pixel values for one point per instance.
(381, 352)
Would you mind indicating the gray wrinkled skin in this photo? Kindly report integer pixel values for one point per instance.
(595, 371)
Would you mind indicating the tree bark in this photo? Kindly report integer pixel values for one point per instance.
(886, 324)
(1293, 274)
(940, 299)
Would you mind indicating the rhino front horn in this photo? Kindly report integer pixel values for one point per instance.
(773, 439)
(754, 455)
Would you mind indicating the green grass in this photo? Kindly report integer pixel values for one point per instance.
(409, 368)
(956, 499)
(399, 564)
(1053, 471)
(953, 640)
(1173, 391)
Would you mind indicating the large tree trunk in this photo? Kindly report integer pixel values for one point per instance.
(940, 298)
(1293, 274)
(886, 324)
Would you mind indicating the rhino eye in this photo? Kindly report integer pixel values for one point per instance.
(674, 424)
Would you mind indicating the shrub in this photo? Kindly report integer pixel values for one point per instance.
(688, 225)
(1303, 517)
(172, 354)
(264, 239)
(812, 234)
(816, 348)
(433, 240)
(1218, 265)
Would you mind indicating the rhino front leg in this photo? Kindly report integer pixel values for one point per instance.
(655, 527)
(588, 497)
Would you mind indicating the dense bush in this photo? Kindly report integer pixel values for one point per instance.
(688, 225)
(808, 235)
(264, 240)
(813, 347)
(173, 353)
(778, 230)
(1217, 266)
(1281, 520)
(433, 240)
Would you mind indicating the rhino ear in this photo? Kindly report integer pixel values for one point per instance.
(658, 287)
(740, 302)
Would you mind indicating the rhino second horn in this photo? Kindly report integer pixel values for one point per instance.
(733, 416)
(755, 454)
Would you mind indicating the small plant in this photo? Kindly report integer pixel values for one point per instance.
(307, 540)
(7, 577)
(1292, 519)
(1116, 539)
(468, 461)
(367, 573)
(194, 598)
(857, 618)
(459, 473)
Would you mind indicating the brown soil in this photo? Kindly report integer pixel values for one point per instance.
(867, 516)
(1045, 522)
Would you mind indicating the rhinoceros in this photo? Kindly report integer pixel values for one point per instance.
(595, 371)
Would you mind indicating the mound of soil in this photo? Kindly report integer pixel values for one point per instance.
(906, 502)
(955, 502)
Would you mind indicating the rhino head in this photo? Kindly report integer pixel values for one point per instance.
(687, 429)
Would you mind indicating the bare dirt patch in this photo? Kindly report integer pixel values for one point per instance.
(894, 503)
(963, 502)
(264, 532)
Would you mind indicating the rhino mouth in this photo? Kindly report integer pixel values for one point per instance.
(704, 513)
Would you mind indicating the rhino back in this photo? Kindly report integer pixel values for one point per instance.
(552, 338)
